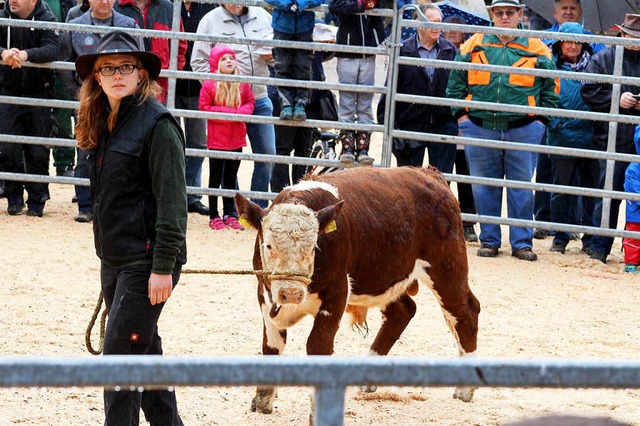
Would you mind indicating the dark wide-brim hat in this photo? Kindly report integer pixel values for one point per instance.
(631, 25)
(118, 43)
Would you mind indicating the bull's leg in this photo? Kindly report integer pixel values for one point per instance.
(273, 343)
(395, 318)
(460, 308)
(323, 333)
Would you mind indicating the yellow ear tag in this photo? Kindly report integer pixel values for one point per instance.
(331, 226)
(244, 222)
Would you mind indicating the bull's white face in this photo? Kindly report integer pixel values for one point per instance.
(290, 234)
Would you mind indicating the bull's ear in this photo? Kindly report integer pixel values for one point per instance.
(250, 213)
(327, 217)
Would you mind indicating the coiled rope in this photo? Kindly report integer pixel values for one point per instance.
(274, 275)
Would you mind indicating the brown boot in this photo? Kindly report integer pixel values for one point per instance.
(347, 139)
(364, 139)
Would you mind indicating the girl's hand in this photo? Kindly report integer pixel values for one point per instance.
(160, 287)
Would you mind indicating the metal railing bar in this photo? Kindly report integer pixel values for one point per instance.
(331, 371)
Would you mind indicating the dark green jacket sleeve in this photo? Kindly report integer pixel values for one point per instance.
(168, 183)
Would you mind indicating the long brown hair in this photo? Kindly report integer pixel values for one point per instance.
(92, 117)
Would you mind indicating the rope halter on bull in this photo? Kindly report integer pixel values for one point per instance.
(274, 275)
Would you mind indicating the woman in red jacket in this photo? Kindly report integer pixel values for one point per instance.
(223, 135)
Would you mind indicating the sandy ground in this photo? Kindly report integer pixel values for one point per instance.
(563, 306)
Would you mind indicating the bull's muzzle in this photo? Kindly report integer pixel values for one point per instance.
(290, 294)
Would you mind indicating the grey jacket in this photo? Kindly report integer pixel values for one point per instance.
(74, 44)
(256, 24)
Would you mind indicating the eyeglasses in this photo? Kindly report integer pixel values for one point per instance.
(501, 13)
(124, 69)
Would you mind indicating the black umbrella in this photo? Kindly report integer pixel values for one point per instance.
(597, 15)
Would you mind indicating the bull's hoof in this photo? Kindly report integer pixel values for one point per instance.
(464, 394)
(369, 389)
(263, 401)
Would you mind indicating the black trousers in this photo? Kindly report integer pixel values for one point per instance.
(225, 173)
(296, 139)
(25, 158)
(132, 329)
(465, 193)
(293, 64)
(583, 172)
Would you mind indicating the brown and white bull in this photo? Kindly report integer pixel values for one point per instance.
(356, 239)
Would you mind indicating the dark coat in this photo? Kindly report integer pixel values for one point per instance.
(135, 221)
(414, 80)
(598, 97)
(355, 29)
(40, 45)
(190, 20)
(65, 7)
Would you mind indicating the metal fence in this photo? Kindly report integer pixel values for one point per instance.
(389, 49)
(329, 376)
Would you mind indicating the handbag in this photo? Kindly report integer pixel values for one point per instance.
(322, 105)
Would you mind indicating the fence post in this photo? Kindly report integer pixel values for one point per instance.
(328, 405)
(613, 133)
(173, 57)
(392, 80)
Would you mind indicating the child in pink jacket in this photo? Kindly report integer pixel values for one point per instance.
(223, 135)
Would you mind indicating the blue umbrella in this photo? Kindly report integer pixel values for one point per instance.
(451, 12)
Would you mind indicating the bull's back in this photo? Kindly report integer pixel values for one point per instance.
(391, 218)
(397, 201)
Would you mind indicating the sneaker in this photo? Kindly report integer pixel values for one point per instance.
(632, 269)
(348, 156)
(487, 251)
(470, 234)
(15, 209)
(84, 217)
(525, 254)
(35, 211)
(198, 207)
(558, 246)
(540, 234)
(217, 224)
(598, 255)
(3, 193)
(347, 139)
(299, 114)
(364, 158)
(233, 223)
(65, 171)
(286, 113)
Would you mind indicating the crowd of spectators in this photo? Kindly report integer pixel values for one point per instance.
(293, 21)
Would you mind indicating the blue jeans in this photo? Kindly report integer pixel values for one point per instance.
(263, 141)
(499, 164)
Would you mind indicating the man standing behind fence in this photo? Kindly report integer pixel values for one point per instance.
(236, 22)
(598, 97)
(72, 45)
(155, 15)
(514, 89)
(20, 45)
